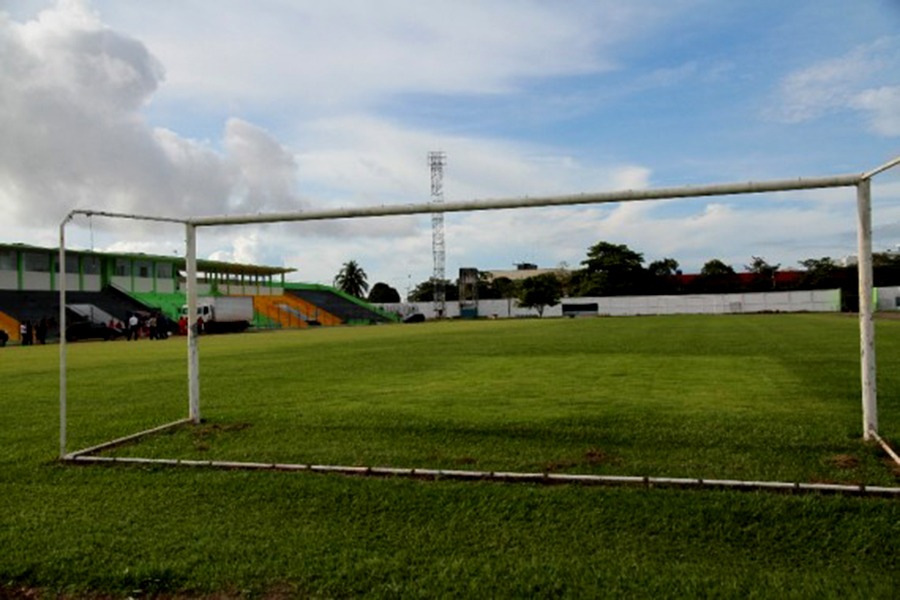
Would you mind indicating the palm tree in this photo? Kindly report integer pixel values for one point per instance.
(351, 279)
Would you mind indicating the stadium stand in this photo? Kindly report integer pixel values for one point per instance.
(36, 305)
(105, 286)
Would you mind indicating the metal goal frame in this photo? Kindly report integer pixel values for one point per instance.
(862, 183)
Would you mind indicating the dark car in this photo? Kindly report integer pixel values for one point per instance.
(86, 330)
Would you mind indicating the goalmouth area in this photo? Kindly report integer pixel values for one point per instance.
(867, 363)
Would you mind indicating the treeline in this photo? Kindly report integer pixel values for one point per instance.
(617, 270)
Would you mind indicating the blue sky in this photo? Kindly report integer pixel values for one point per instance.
(228, 107)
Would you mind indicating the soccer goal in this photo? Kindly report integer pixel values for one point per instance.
(861, 183)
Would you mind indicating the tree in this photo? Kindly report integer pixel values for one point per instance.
(819, 265)
(820, 272)
(716, 268)
(505, 287)
(424, 292)
(764, 273)
(612, 258)
(382, 293)
(885, 259)
(351, 279)
(663, 276)
(611, 269)
(540, 292)
(716, 277)
(666, 267)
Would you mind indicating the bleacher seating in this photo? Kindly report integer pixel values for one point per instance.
(330, 300)
(290, 311)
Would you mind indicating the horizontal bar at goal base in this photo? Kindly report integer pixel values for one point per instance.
(500, 476)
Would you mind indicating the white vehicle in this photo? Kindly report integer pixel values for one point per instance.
(222, 314)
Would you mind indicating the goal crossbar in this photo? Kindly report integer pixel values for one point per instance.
(722, 189)
(864, 238)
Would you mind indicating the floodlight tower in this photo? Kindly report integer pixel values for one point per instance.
(437, 160)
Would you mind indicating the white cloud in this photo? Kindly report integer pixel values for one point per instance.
(267, 171)
(363, 159)
(73, 91)
(71, 95)
(883, 107)
(245, 249)
(321, 54)
(865, 79)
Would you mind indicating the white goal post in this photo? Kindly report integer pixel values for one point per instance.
(862, 183)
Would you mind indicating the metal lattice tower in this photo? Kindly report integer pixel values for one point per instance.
(437, 160)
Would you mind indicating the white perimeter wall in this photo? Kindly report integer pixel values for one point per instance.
(888, 298)
(798, 301)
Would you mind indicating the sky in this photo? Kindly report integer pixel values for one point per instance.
(184, 108)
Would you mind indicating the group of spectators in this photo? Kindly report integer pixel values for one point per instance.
(29, 331)
(183, 325)
(152, 326)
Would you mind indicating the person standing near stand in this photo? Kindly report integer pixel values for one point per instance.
(133, 327)
(26, 330)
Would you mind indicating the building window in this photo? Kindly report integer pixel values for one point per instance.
(71, 263)
(91, 265)
(123, 267)
(163, 270)
(37, 262)
(142, 269)
(8, 260)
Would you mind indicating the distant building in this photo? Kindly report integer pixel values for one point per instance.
(522, 271)
(33, 268)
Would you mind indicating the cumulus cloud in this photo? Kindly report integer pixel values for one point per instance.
(245, 249)
(266, 170)
(71, 95)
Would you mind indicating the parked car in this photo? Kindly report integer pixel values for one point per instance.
(86, 330)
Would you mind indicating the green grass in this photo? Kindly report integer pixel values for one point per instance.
(758, 397)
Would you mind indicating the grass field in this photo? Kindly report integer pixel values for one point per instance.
(767, 397)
